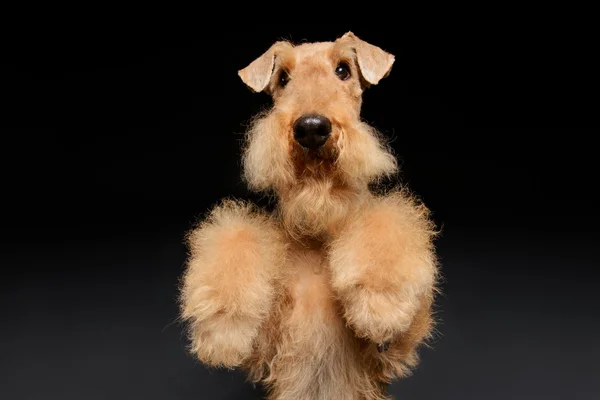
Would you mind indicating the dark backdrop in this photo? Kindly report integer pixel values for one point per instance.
(116, 139)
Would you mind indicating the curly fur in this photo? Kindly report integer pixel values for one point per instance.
(301, 298)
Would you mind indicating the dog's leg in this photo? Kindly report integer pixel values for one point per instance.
(383, 266)
(229, 282)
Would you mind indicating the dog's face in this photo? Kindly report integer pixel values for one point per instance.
(314, 129)
(313, 139)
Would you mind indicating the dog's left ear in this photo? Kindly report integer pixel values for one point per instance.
(374, 63)
(258, 74)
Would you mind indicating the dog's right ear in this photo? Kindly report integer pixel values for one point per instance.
(258, 74)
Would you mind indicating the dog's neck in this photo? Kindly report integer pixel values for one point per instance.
(318, 209)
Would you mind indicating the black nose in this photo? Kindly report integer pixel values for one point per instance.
(312, 131)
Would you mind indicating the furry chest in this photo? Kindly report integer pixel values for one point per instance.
(313, 312)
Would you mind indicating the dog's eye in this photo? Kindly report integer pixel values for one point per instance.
(284, 78)
(343, 71)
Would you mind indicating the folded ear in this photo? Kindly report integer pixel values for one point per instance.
(373, 62)
(258, 74)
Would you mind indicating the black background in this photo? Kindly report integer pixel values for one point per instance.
(117, 138)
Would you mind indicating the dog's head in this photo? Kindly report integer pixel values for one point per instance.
(313, 137)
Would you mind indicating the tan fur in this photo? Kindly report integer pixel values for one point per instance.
(301, 298)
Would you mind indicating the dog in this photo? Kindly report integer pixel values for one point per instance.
(329, 296)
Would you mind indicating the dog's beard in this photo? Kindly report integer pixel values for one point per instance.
(266, 158)
(319, 199)
(332, 182)
(314, 207)
(314, 164)
(317, 189)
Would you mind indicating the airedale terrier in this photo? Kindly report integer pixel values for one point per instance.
(329, 296)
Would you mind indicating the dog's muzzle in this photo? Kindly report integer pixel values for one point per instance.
(312, 130)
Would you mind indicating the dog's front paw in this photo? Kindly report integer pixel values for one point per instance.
(377, 316)
(382, 264)
(223, 341)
